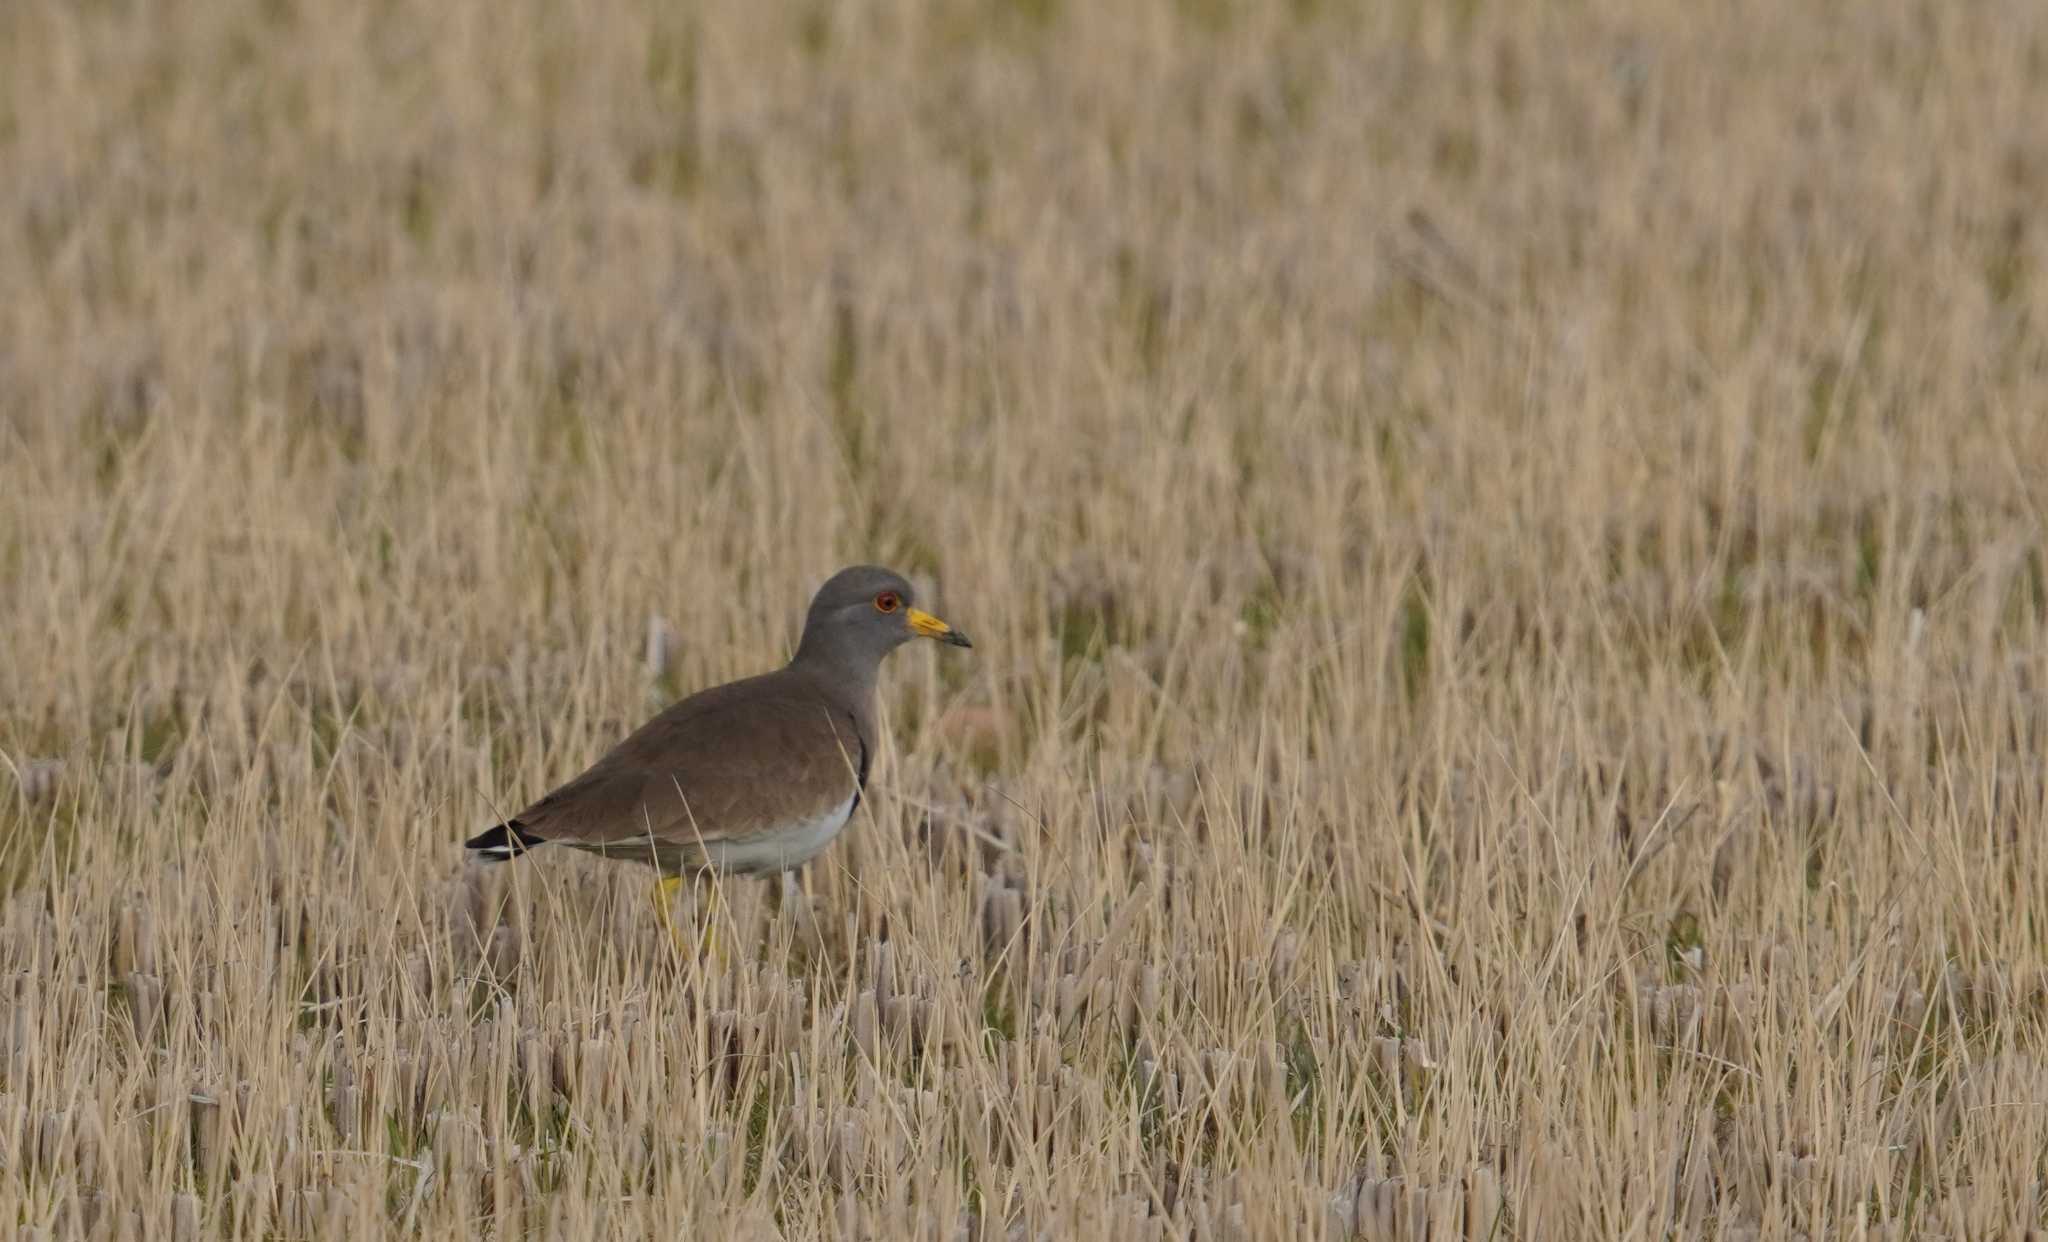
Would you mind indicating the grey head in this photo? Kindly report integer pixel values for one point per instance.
(860, 615)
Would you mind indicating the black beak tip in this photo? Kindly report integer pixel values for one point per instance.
(957, 639)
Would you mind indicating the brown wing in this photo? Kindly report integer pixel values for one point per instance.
(729, 763)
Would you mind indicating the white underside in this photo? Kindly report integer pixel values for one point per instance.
(783, 848)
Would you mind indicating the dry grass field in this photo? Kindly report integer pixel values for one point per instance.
(1504, 543)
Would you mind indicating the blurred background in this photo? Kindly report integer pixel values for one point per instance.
(1503, 543)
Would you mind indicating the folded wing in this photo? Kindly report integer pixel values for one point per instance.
(755, 759)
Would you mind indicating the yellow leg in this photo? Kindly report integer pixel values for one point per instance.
(664, 900)
(665, 891)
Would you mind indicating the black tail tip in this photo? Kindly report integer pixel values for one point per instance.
(500, 844)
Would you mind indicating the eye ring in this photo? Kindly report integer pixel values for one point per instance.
(888, 601)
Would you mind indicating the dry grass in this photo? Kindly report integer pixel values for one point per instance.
(1504, 542)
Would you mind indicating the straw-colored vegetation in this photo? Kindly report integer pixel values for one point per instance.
(1504, 543)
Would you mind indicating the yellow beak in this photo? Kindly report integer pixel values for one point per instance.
(925, 625)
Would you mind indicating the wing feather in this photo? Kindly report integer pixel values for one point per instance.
(739, 761)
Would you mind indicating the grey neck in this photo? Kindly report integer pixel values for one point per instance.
(843, 671)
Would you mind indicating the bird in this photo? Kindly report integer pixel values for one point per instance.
(754, 777)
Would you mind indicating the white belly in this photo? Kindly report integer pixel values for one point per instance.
(787, 847)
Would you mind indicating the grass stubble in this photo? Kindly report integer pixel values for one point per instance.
(1504, 544)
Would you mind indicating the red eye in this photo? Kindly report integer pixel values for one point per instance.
(888, 601)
